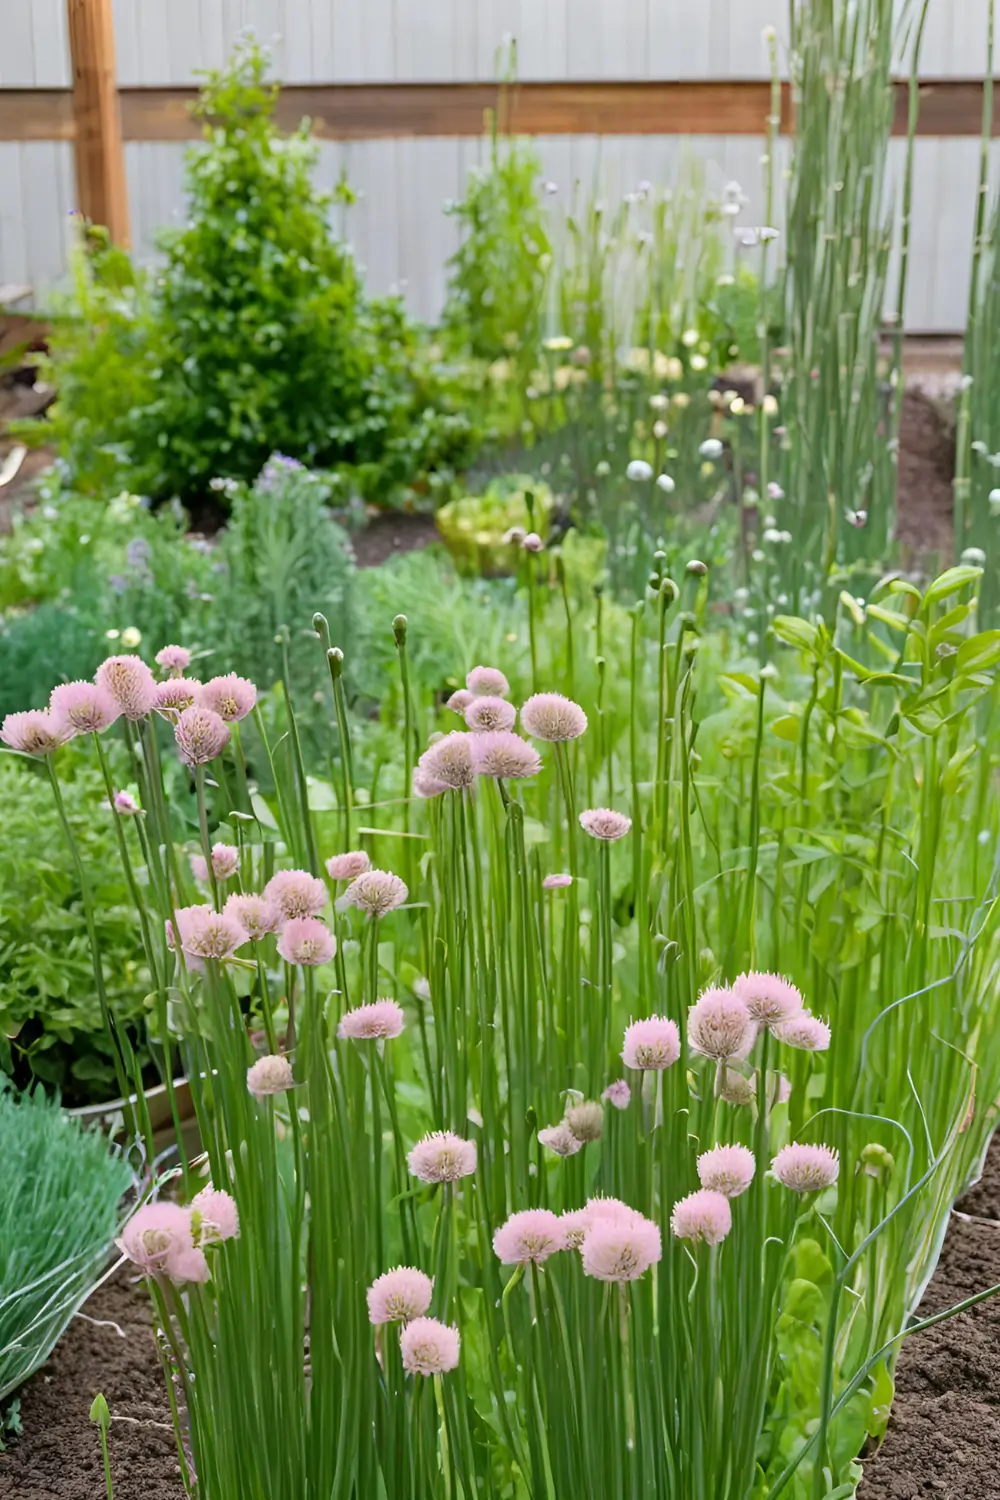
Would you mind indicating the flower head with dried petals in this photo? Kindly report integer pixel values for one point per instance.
(605, 824)
(806, 1031)
(651, 1044)
(306, 941)
(442, 1156)
(619, 1249)
(34, 732)
(482, 714)
(378, 1020)
(376, 893)
(769, 998)
(531, 1235)
(727, 1170)
(550, 716)
(231, 697)
(201, 735)
(130, 683)
(560, 1139)
(586, 1120)
(449, 761)
(214, 1217)
(702, 1216)
(806, 1169)
(348, 866)
(504, 755)
(487, 682)
(399, 1296)
(83, 707)
(720, 1026)
(270, 1075)
(428, 1347)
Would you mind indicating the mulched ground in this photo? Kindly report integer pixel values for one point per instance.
(944, 1435)
(58, 1457)
(926, 469)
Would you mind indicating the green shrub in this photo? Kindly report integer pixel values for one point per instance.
(59, 1194)
(50, 1019)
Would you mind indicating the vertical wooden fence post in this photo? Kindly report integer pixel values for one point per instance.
(100, 158)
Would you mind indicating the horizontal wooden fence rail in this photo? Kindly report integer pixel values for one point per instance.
(373, 111)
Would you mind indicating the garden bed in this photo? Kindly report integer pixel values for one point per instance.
(943, 1439)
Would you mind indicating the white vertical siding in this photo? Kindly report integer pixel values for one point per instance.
(397, 229)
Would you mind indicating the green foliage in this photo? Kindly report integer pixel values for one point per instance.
(498, 275)
(474, 527)
(59, 1194)
(50, 1019)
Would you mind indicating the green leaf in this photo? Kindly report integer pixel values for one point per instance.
(795, 632)
(979, 654)
(99, 1412)
(949, 583)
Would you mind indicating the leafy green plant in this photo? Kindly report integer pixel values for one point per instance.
(475, 527)
(59, 1194)
(50, 1018)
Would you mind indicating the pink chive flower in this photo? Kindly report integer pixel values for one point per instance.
(35, 732)
(306, 941)
(449, 760)
(201, 735)
(702, 1216)
(442, 1157)
(348, 866)
(269, 1075)
(255, 914)
(556, 882)
(460, 700)
(214, 1217)
(605, 824)
(296, 893)
(126, 805)
(158, 1239)
(428, 1347)
(482, 714)
(532, 542)
(727, 1170)
(736, 1089)
(806, 1031)
(231, 697)
(576, 1222)
(83, 707)
(618, 1094)
(487, 682)
(504, 755)
(130, 683)
(225, 861)
(769, 998)
(616, 1249)
(533, 1234)
(173, 659)
(378, 1020)
(720, 1026)
(806, 1169)
(399, 1296)
(652, 1044)
(376, 893)
(425, 785)
(199, 868)
(205, 933)
(176, 694)
(551, 716)
(560, 1139)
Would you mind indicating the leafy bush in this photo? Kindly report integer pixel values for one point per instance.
(59, 1194)
(50, 1019)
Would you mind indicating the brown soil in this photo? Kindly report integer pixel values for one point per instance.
(391, 534)
(944, 1434)
(58, 1456)
(926, 469)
